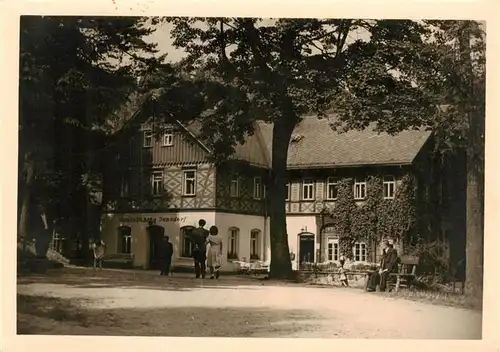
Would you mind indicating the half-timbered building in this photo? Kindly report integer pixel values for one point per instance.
(163, 183)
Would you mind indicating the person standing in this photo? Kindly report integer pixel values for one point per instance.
(214, 252)
(166, 252)
(342, 273)
(198, 237)
(99, 249)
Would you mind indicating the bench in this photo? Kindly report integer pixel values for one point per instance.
(407, 271)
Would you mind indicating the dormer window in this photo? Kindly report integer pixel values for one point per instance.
(168, 139)
(296, 138)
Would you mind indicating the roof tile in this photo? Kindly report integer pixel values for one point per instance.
(321, 146)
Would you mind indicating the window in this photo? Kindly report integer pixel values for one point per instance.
(168, 139)
(308, 190)
(333, 250)
(287, 191)
(254, 244)
(234, 188)
(264, 191)
(125, 239)
(148, 138)
(389, 187)
(157, 183)
(257, 187)
(232, 251)
(359, 189)
(360, 252)
(332, 188)
(186, 244)
(189, 183)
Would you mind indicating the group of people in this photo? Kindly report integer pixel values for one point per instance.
(200, 238)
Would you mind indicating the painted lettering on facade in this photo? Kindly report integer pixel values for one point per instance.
(154, 220)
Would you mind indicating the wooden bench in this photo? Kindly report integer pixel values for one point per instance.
(407, 272)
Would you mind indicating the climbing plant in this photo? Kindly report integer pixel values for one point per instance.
(403, 212)
(344, 215)
(397, 218)
(376, 218)
(374, 212)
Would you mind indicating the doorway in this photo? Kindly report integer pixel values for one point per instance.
(306, 248)
(155, 234)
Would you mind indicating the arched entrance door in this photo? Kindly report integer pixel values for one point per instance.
(306, 247)
(155, 234)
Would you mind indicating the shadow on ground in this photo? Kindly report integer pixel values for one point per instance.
(55, 316)
(89, 278)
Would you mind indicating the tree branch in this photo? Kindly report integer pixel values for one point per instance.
(341, 43)
(255, 43)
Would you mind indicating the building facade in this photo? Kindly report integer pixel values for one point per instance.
(162, 182)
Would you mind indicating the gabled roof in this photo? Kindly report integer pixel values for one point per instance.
(318, 145)
(314, 143)
(252, 151)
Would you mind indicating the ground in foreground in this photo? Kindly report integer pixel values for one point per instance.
(113, 303)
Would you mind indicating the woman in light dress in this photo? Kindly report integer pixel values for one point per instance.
(214, 252)
(99, 248)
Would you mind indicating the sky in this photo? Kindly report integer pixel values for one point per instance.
(164, 41)
(162, 37)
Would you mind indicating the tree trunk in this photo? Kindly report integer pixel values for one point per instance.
(281, 266)
(29, 172)
(475, 209)
(475, 175)
(44, 234)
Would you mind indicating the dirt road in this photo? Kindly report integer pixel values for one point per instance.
(183, 306)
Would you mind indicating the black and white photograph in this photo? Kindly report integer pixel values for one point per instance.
(250, 177)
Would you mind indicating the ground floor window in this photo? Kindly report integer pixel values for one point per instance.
(255, 244)
(232, 251)
(360, 252)
(333, 250)
(125, 239)
(186, 244)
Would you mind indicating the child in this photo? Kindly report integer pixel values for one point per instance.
(99, 249)
(343, 276)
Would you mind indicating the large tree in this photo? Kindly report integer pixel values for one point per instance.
(280, 70)
(445, 76)
(74, 73)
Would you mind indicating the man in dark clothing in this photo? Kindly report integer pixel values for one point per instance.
(198, 237)
(167, 250)
(388, 264)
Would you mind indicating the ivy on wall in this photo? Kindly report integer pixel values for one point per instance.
(404, 213)
(375, 213)
(377, 218)
(344, 216)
